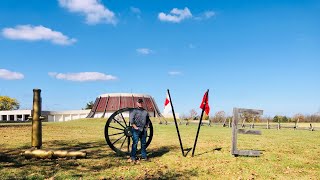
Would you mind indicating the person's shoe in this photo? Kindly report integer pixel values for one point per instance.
(131, 160)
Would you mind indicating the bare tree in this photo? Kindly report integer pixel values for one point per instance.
(193, 114)
(247, 116)
(250, 118)
(220, 116)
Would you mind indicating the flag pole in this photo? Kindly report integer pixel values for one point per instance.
(200, 122)
(175, 121)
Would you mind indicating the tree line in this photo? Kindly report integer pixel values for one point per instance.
(220, 117)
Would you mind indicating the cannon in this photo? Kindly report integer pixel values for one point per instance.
(118, 134)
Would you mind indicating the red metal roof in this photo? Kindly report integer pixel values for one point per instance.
(114, 102)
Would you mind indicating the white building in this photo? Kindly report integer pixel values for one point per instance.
(50, 116)
(15, 115)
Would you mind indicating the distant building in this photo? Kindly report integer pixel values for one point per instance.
(51, 116)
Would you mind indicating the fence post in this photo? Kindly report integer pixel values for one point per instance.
(252, 124)
(224, 123)
(296, 124)
(311, 128)
(234, 132)
(243, 121)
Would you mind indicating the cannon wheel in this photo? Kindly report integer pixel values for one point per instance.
(117, 132)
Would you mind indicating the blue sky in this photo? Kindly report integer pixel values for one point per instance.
(251, 54)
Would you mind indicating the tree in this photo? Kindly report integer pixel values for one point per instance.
(205, 116)
(219, 116)
(7, 103)
(285, 119)
(277, 118)
(281, 119)
(247, 116)
(89, 105)
(298, 117)
(193, 114)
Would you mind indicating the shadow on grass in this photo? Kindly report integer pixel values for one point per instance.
(97, 159)
(215, 149)
(11, 157)
(160, 151)
(172, 174)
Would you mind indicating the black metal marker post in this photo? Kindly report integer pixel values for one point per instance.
(195, 142)
(175, 121)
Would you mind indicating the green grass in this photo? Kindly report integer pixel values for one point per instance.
(287, 154)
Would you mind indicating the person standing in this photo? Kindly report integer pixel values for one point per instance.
(139, 119)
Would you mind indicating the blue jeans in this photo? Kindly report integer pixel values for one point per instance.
(136, 134)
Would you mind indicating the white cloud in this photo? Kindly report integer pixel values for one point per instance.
(176, 15)
(174, 73)
(83, 76)
(9, 75)
(209, 14)
(36, 33)
(94, 10)
(135, 10)
(205, 15)
(144, 51)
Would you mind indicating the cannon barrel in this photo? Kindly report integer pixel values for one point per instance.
(36, 137)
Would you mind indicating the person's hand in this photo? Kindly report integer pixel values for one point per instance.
(135, 127)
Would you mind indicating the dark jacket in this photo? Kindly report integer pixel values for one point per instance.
(140, 118)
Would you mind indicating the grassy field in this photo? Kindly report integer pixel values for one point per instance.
(287, 154)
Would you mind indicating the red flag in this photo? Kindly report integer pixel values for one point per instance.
(166, 102)
(167, 106)
(205, 103)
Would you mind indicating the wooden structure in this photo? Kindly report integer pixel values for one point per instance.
(235, 131)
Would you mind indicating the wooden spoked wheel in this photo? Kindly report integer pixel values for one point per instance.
(118, 134)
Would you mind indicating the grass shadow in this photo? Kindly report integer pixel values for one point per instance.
(215, 149)
(173, 174)
(11, 157)
(160, 151)
(96, 152)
